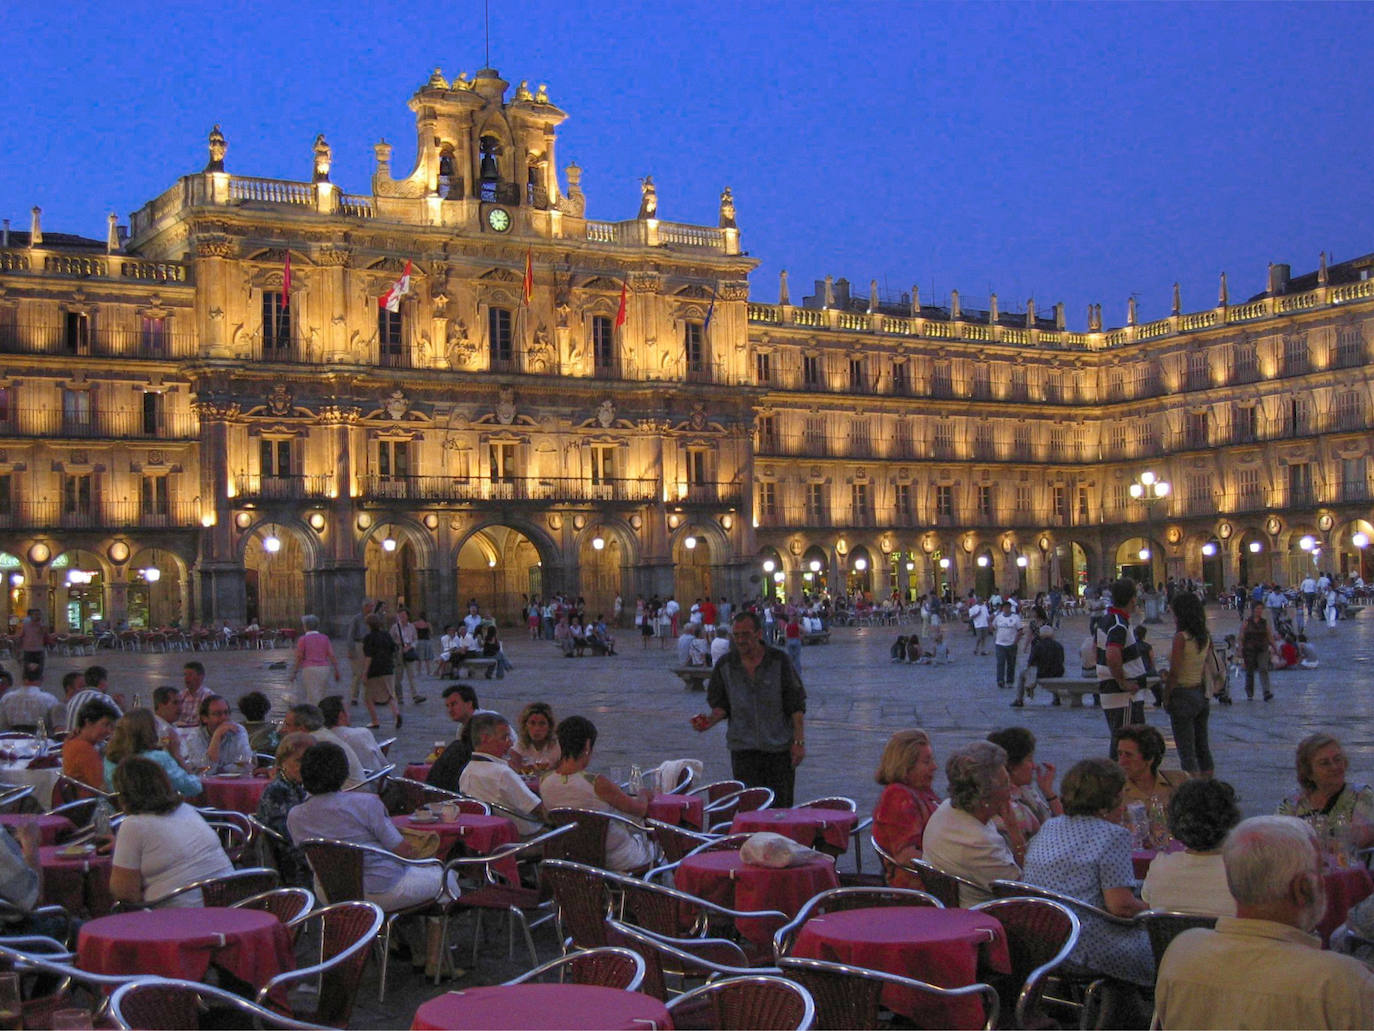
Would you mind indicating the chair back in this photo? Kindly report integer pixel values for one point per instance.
(10, 800)
(338, 869)
(286, 904)
(679, 958)
(847, 996)
(722, 843)
(831, 802)
(1163, 927)
(718, 789)
(586, 843)
(164, 1004)
(1041, 933)
(606, 967)
(675, 841)
(767, 1003)
(239, 885)
(347, 930)
(1020, 889)
(944, 886)
(836, 900)
(582, 900)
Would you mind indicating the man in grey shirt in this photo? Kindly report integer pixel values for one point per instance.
(758, 690)
(357, 630)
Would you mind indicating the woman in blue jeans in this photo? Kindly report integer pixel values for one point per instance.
(1185, 695)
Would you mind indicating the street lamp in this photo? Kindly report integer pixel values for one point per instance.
(1361, 541)
(1150, 490)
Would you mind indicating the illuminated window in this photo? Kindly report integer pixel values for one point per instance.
(694, 340)
(274, 457)
(944, 500)
(389, 337)
(276, 325)
(603, 464)
(500, 341)
(603, 343)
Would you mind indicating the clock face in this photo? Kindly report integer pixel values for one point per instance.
(498, 219)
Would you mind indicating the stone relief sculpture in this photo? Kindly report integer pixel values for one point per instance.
(727, 209)
(605, 414)
(648, 205)
(396, 405)
(459, 348)
(505, 405)
(218, 146)
(541, 353)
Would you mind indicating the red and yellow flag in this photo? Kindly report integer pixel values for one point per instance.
(527, 290)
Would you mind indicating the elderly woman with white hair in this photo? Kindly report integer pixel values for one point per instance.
(314, 659)
(960, 836)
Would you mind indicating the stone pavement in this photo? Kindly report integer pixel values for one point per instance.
(857, 698)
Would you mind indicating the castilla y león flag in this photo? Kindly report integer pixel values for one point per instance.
(391, 300)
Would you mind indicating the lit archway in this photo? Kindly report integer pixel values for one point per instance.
(601, 561)
(815, 572)
(985, 573)
(691, 567)
(1306, 555)
(860, 578)
(770, 574)
(1252, 558)
(906, 574)
(274, 561)
(1213, 565)
(1352, 544)
(1138, 559)
(498, 566)
(77, 582)
(157, 588)
(16, 587)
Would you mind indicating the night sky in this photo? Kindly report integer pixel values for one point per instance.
(1070, 152)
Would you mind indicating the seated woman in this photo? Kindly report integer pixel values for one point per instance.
(1086, 853)
(906, 771)
(570, 787)
(1307, 655)
(491, 649)
(1139, 751)
(897, 653)
(1033, 799)
(278, 799)
(361, 818)
(536, 746)
(81, 751)
(1342, 813)
(960, 837)
(1288, 657)
(913, 649)
(163, 844)
(136, 734)
(1201, 814)
(262, 735)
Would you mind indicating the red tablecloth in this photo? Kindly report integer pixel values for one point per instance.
(50, 828)
(480, 834)
(535, 1007)
(942, 946)
(81, 883)
(239, 794)
(419, 771)
(725, 879)
(1344, 889)
(246, 943)
(678, 809)
(808, 827)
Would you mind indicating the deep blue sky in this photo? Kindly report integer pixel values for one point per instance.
(1075, 153)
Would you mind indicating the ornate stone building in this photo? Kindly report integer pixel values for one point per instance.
(213, 417)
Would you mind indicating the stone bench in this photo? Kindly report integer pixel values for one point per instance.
(469, 666)
(694, 677)
(1077, 687)
(816, 637)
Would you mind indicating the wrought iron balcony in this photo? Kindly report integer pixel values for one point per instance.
(114, 425)
(101, 514)
(254, 487)
(476, 490)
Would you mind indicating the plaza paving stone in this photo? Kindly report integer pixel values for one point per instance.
(856, 699)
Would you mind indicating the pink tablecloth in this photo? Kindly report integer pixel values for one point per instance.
(81, 883)
(1345, 889)
(51, 829)
(535, 1007)
(419, 771)
(809, 827)
(942, 946)
(480, 834)
(239, 794)
(678, 809)
(725, 879)
(248, 944)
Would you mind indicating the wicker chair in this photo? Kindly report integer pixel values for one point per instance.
(847, 996)
(163, 1004)
(718, 789)
(764, 1002)
(856, 843)
(721, 814)
(838, 899)
(681, 959)
(347, 931)
(1163, 927)
(48, 957)
(582, 902)
(943, 885)
(587, 841)
(286, 904)
(223, 891)
(605, 967)
(1040, 935)
(674, 841)
(403, 795)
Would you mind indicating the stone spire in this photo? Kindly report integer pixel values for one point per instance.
(1130, 311)
(784, 296)
(830, 291)
(36, 227)
(1030, 313)
(992, 309)
(872, 296)
(1223, 296)
(915, 300)
(954, 310)
(112, 233)
(1178, 302)
(1322, 277)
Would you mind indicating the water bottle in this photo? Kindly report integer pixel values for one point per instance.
(41, 733)
(101, 820)
(636, 779)
(1138, 824)
(138, 701)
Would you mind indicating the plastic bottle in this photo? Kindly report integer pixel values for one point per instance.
(101, 820)
(636, 779)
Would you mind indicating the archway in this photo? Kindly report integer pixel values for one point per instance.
(1252, 562)
(1352, 544)
(770, 575)
(905, 574)
(1305, 556)
(1136, 559)
(692, 568)
(860, 578)
(985, 573)
(15, 602)
(392, 561)
(157, 589)
(498, 566)
(274, 576)
(815, 572)
(1069, 567)
(602, 563)
(1212, 567)
(77, 583)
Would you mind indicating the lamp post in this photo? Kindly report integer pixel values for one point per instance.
(1150, 490)
(1361, 541)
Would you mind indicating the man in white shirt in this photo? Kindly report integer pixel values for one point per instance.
(26, 706)
(488, 776)
(670, 609)
(720, 646)
(1006, 626)
(1264, 967)
(472, 620)
(358, 739)
(166, 708)
(307, 719)
(978, 613)
(684, 646)
(1309, 593)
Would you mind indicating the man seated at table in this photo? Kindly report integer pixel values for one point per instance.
(362, 819)
(960, 836)
(489, 777)
(21, 884)
(1264, 968)
(461, 702)
(193, 694)
(86, 690)
(165, 709)
(24, 707)
(359, 740)
(218, 745)
(307, 719)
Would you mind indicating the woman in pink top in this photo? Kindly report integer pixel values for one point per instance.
(314, 659)
(907, 769)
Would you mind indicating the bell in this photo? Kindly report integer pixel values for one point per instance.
(489, 170)
(446, 164)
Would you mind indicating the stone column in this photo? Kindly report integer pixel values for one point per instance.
(220, 569)
(341, 579)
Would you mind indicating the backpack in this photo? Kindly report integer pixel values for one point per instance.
(1213, 673)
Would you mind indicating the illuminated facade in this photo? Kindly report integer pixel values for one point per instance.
(186, 435)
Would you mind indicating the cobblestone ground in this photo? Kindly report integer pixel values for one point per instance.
(856, 699)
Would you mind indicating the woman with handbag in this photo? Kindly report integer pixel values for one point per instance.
(1186, 684)
(403, 632)
(1257, 650)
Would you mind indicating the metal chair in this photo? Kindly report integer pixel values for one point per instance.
(848, 805)
(720, 815)
(608, 967)
(164, 1004)
(347, 931)
(35, 954)
(374, 782)
(1041, 934)
(286, 904)
(684, 779)
(943, 885)
(847, 996)
(674, 841)
(836, 900)
(222, 891)
(404, 795)
(581, 900)
(1163, 927)
(680, 958)
(764, 1002)
(587, 841)
(11, 800)
(717, 790)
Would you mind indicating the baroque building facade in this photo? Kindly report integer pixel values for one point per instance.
(212, 417)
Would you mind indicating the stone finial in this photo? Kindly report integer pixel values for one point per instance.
(1223, 296)
(993, 312)
(784, 296)
(575, 203)
(954, 309)
(727, 208)
(36, 226)
(522, 92)
(541, 96)
(1030, 313)
(1094, 318)
(4, 232)
(437, 80)
(462, 82)
(1130, 311)
(574, 174)
(383, 151)
(111, 233)
(648, 202)
(1178, 301)
(830, 291)
(915, 300)
(1059, 322)
(218, 147)
(872, 296)
(1322, 277)
(324, 157)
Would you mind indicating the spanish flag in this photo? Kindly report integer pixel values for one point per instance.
(527, 290)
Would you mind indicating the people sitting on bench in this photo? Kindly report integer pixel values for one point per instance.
(1046, 660)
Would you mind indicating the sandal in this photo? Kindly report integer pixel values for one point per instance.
(373, 726)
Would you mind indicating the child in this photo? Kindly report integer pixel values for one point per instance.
(898, 650)
(941, 649)
(913, 649)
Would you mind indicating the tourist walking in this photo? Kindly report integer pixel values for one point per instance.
(405, 635)
(380, 649)
(1006, 627)
(314, 660)
(1257, 650)
(1185, 685)
(978, 617)
(357, 630)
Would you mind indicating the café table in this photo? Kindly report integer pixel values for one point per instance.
(76, 878)
(50, 828)
(678, 809)
(536, 1007)
(727, 880)
(17, 773)
(239, 794)
(945, 947)
(248, 944)
(805, 826)
(478, 833)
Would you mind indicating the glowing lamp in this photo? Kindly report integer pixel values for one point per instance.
(271, 544)
(779, 576)
(769, 565)
(1144, 554)
(944, 563)
(1360, 540)
(598, 543)
(1022, 561)
(1255, 547)
(1307, 543)
(16, 579)
(910, 566)
(152, 574)
(861, 564)
(1209, 549)
(982, 562)
(689, 543)
(815, 565)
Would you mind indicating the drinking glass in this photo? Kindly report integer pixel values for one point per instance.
(11, 1005)
(71, 1020)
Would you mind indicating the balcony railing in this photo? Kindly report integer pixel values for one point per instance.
(100, 514)
(473, 489)
(710, 493)
(100, 342)
(117, 425)
(252, 487)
